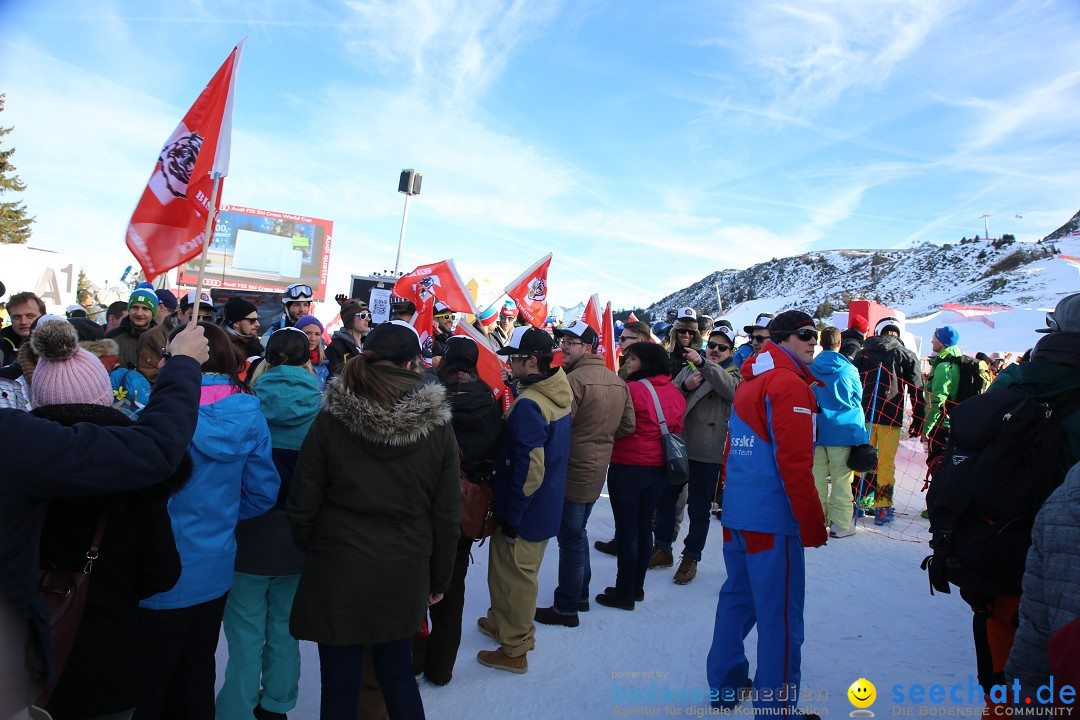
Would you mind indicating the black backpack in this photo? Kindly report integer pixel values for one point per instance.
(1001, 463)
(972, 380)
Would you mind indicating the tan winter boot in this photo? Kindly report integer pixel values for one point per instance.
(487, 627)
(661, 559)
(687, 571)
(499, 660)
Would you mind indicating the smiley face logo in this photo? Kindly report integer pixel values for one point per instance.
(862, 694)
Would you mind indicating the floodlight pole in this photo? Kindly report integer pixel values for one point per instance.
(408, 185)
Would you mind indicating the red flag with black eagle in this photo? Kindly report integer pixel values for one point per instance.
(169, 223)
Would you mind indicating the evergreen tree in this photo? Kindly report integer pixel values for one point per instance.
(14, 223)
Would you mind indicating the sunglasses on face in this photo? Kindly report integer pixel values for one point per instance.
(165, 354)
(363, 315)
(298, 291)
(628, 338)
(758, 338)
(718, 346)
(445, 316)
(251, 319)
(684, 331)
(806, 334)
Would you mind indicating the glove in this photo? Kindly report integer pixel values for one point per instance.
(509, 531)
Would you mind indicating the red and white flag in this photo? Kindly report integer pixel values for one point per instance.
(169, 223)
(607, 339)
(489, 366)
(529, 292)
(601, 323)
(632, 318)
(436, 280)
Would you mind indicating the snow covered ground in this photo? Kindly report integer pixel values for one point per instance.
(869, 614)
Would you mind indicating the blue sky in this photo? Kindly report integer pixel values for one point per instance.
(645, 144)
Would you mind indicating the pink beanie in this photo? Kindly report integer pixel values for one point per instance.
(65, 373)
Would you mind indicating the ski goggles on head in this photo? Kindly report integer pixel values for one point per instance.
(298, 292)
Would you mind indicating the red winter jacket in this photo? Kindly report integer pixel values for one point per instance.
(643, 447)
(770, 481)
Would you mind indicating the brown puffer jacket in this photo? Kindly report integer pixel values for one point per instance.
(602, 412)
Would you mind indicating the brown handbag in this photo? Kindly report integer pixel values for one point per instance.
(64, 592)
(477, 509)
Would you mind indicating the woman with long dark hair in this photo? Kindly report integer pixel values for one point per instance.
(375, 506)
(477, 426)
(636, 478)
(264, 659)
(233, 478)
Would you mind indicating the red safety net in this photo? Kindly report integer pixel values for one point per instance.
(902, 456)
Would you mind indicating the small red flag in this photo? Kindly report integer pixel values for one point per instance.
(489, 366)
(169, 223)
(601, 323)
(529, 292)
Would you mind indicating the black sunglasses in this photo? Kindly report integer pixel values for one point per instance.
(805, 334)
(684, 331)
(759, 338)
(718, 346)
(628, 337)
(165, 354)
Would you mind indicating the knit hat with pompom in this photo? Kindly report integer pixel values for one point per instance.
(66, 373)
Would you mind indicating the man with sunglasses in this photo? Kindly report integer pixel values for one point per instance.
(349, 340)
(709, 392)
(529, 484)
(757, 335)
(771, 512)
(602, 411)
(443, 318)
(297, 299)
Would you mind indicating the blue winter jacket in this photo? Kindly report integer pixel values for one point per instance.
(529, 479)
(233, 478)
(840, 422)
(742, 354)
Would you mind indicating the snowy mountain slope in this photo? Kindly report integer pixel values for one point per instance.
(917, 281)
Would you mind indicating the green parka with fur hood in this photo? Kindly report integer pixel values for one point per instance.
(375, 506)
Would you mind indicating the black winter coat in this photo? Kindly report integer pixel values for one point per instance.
(375, 504)
(137, 559)
(477, 423)
(53, 461)
(883, 393)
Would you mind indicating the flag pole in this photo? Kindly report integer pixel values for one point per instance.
(207, 234)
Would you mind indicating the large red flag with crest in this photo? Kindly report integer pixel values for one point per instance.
(529, 291)
(489, 366)
(169, 223)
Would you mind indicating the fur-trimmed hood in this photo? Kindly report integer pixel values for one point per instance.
(410, 419)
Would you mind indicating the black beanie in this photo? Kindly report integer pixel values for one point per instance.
(237, 309)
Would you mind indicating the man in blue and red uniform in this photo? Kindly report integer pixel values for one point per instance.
(771, 512)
